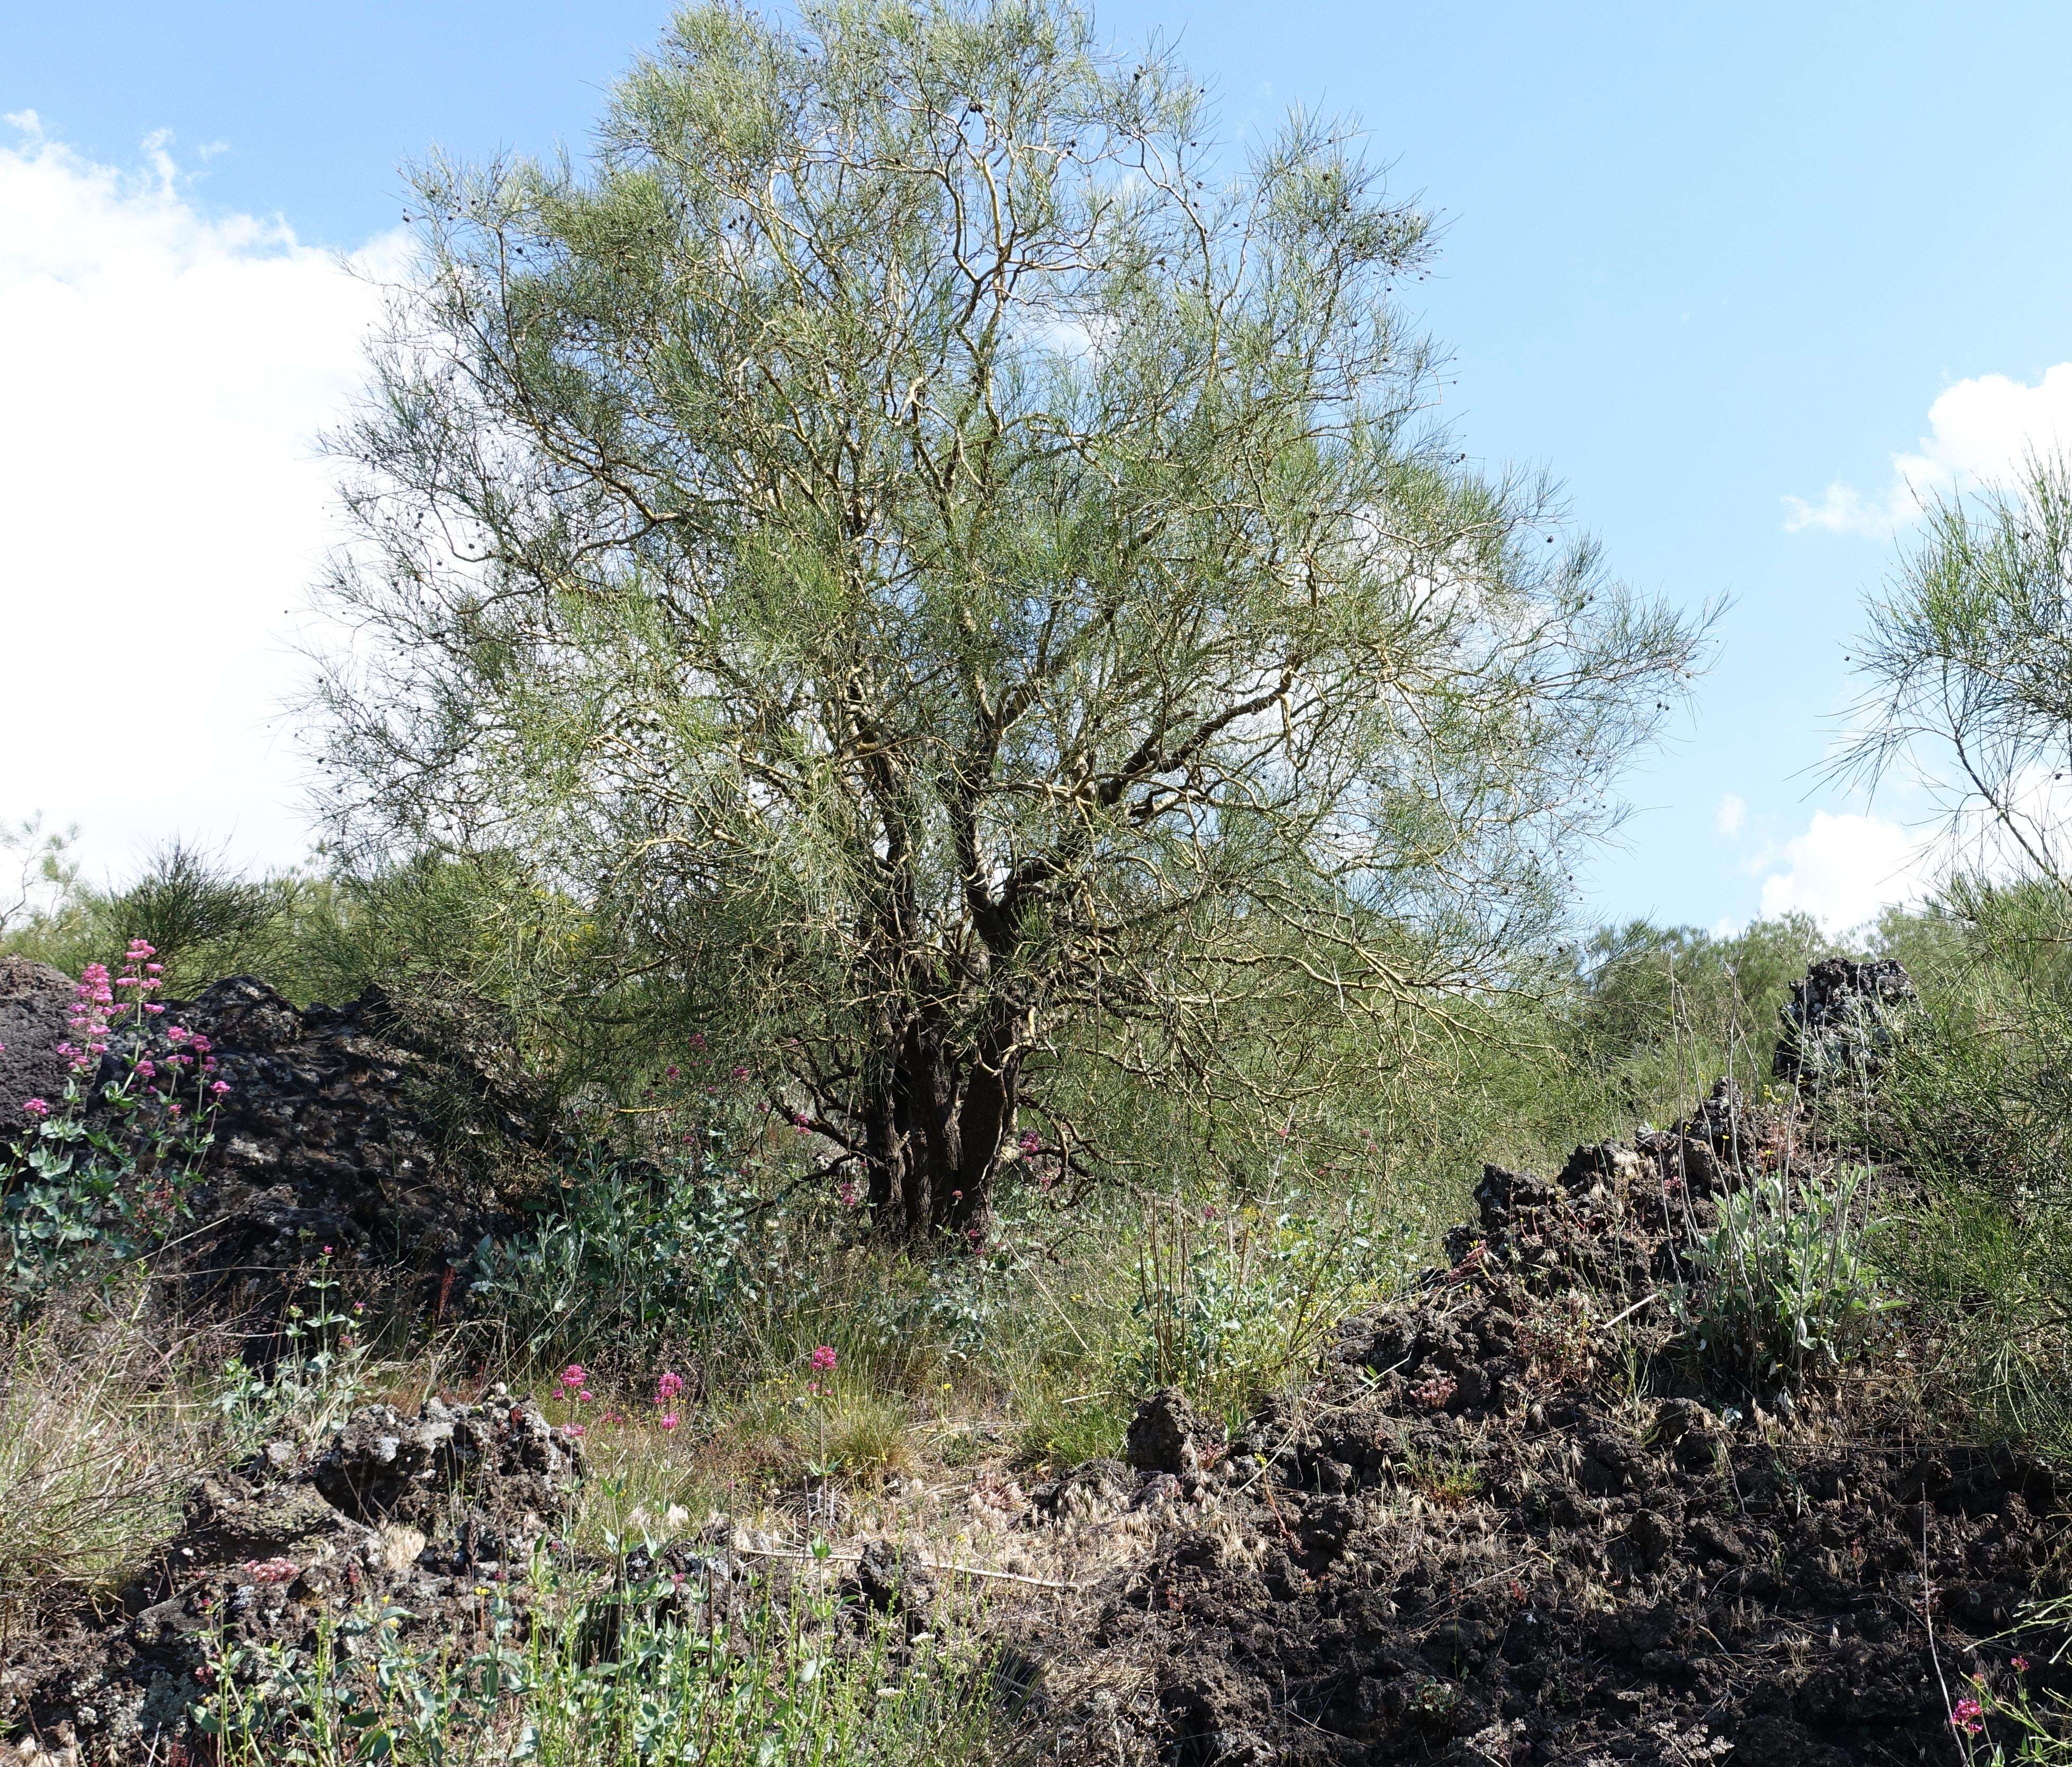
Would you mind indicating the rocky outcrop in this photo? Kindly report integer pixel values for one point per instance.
(429, 1518)
(350, 1128)
(36, 1001)
(1839, 1020)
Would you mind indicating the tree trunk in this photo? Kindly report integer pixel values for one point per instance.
(935, 1136)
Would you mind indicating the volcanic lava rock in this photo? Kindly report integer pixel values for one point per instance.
(1838, 1023)
(36, 1001)
(384, 1466)
(426, 1519)
(1474, 1540)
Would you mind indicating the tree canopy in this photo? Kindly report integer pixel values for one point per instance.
(940, 556)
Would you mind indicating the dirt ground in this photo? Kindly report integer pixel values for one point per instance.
(1504, 1529)
(1509, 1523)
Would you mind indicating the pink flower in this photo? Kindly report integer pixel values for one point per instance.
(220, 1087)
(1031, 1143)
(176, 1033)
(146, 1069)
(63, 1049)
(697, 1040)
(143, 948)
(667, 1387)
(574, 1375)
(271, 1570)
(2020, 1665)
(573, 1429)
(35, 1107)
(802, 1121)
(326, 1251)
(153, 1006)
(1966, 1715)
(583, 1397)
(845, 1193)
(673, 1071)
(668, 1420)
(824, 1360)
(201, 1044)
(740, 1073)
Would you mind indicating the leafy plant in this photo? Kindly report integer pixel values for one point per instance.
(1229, 1304)
(1784, 1284)
(772, 1687)
(101, 1177)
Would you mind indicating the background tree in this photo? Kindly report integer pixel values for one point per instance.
(1968, 667)
(934, 568)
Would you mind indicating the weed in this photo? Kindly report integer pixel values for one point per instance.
(1784, 1285)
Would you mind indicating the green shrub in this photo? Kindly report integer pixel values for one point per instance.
(777, 1685)
(1783, 1286)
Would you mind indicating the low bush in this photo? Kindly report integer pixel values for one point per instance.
(1783, 1286)
(782, 1684)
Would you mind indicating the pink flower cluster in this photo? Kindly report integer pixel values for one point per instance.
(824, 1360)
(1433, 1393)
(575, 1382)
(668, 1386)
(271, 1570)
(1966, 1716)
(93, 999)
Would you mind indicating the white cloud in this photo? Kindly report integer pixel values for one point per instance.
(1732, 816)
(1979, 431)
(162, 510)
(1844, 869)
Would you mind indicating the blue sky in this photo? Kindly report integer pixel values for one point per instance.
(1698, 261)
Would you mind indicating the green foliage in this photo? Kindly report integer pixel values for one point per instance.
(83, 1195)
(1783, 1286)
(1231, 1306)
(964, 598)
(634, 1259)
(777, 1686)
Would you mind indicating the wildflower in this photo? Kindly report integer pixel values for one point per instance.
(667, 1387)
(740, 1073)
(673, 1071)
(845, 1193)
(824, 1360)
(573, 1429)
(574, 1375)
(1208, 1212)
(176, 1034)
(803, 1122)
(582, 1398)
(199, 1044)
(697, 1040)
(35, 1107)
(63, 1049)
(1032, 1143)
(146, 1070)
(172, 1110)
(153, 1007)
(668, 1420)
(271, 1570)
(220, 1087)
(1966, 1715)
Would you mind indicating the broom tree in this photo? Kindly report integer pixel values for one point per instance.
(934, 552)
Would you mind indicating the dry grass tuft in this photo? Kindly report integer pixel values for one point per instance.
(97, 1428)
